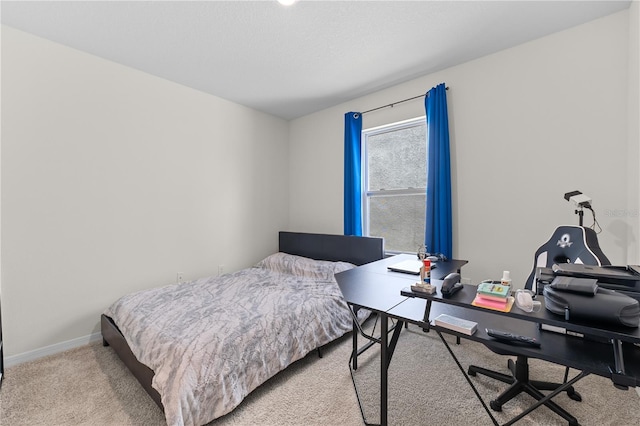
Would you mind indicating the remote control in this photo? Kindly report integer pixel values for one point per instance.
(510, 337)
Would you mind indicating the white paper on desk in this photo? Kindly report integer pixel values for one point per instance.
(406, 266)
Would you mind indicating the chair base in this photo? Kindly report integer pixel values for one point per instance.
(519, 381)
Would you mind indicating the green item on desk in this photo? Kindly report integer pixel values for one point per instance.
(493, 291)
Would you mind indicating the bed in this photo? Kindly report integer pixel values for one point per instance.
(200, 348)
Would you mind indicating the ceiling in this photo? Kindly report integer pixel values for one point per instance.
(292, 61)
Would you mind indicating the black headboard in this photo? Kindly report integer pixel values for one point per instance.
(346, 248)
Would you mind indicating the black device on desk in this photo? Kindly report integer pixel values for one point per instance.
(624, 279)
(512, 337)
(451, 284)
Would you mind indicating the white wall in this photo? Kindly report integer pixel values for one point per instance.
(528, 124)
(633, 210)
(114, 180)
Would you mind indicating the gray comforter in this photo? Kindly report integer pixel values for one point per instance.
(212, 341)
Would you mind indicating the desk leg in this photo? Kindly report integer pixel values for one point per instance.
(386, 353)
(384, 366)
(618, 374)
(353, 360)
(387, 347)
(354, 351)
(425, 317)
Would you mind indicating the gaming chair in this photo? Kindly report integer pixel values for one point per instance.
(568, 244)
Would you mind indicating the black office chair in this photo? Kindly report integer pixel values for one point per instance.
(568, 244)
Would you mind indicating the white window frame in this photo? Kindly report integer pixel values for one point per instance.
(366, 194)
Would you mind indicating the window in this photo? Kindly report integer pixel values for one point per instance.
(395, 181)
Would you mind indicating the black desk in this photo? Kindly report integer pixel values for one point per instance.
(372, 287)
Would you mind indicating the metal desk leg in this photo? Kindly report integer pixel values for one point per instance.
(618, 374)
(425, 317)
(354, 350)
(387, 348)
(386, 353)
(353, 360)
(384, 368)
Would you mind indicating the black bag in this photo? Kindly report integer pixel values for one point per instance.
(605, 305)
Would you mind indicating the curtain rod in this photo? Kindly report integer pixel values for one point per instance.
(396, 103)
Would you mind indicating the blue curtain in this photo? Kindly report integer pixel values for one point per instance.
(438, 234)
(352, 174)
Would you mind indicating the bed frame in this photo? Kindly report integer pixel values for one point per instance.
(356, 250)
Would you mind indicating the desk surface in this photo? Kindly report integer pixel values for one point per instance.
(375, 287)
(439, 269)
(465, 296)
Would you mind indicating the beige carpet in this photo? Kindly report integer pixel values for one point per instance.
(90, 386)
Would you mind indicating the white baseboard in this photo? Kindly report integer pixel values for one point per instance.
(51, 350)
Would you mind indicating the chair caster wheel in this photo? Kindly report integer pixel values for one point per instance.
(574, 423)
(495, 406)
(471, 372)
(574, 395)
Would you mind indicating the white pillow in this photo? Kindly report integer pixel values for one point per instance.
(303, 266)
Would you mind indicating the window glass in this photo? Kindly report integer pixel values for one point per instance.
(397, 159)
(395, 176)
(400, 219)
